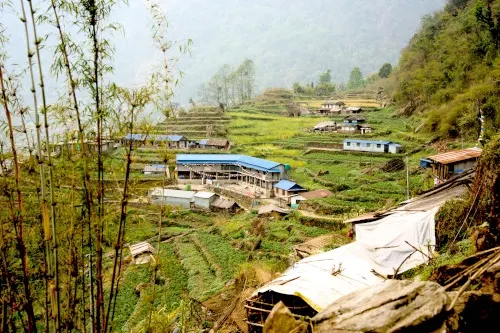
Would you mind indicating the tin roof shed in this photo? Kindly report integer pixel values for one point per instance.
(456, 155)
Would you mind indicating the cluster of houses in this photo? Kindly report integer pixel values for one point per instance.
(337, 108)
(174, 141)
(353, 124)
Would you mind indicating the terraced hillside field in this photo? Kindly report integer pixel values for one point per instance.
(198, 123)
(355, 178)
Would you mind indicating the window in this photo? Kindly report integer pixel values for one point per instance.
(358, 144)
(368, 145)
(379, 145)
(348, 144)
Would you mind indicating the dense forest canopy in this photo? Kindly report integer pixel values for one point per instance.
(451, 68)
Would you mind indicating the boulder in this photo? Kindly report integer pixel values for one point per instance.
(392, 306)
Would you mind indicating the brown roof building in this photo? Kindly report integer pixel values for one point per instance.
(451, 163)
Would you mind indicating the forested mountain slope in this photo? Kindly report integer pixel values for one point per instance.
(289, 41)
(451, 65)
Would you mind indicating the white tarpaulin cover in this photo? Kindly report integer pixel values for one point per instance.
(379, 249)
(392, 241)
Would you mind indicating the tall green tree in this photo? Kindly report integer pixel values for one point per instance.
(356, 79)
(325, 77)
(385, 70)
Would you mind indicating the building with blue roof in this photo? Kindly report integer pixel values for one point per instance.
(174, 141)
(286, 188)
(229, 168)
(372, 146)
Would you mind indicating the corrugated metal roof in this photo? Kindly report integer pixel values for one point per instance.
(241, 160)
(271, 208)
(354, 108)
(154, 137)
(336, 102)
(140, 248)
(223, 203)
(288, 185)
(325, 124)
(154, 167)
(368, 141)
(214, 142)
(456, 155)
(173, 193)
(317, 194)
(204, 195)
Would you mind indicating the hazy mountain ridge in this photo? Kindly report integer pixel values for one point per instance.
(288, 42)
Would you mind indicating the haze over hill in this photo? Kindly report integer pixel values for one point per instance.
(289, 41)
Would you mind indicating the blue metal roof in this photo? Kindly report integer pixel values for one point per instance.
(135, 137)
(369, 141)
(163, 137)
(241, 160)
(288, 185)
(155, 137)
(203, 141)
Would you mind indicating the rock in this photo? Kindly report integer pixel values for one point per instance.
(392, 306)
(281, 320)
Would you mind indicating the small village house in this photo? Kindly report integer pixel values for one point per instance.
(365, 129)
(349, 128)
(329, 107)
(446, 165)
(204, 200)
(142, 252)
(354, 119)
(151, 140)
(325, 126)
(154, 169)
(270, 210)
(90, 146)
(223, 204)
(372, 146)
(311, 195)
(214, 144)
(287, 188)
(352, 109)
(169, 197)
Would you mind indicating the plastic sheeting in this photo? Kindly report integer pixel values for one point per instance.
(380, 249)
(392, 241)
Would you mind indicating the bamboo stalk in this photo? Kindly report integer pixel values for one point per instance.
(55, 243)
(18, 219)
(121, 231)
(87, 214)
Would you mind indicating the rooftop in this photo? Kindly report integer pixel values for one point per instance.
(325, 124)
(241, 160)
(223, 203)
(369, 141)
(288, 185)
(214, 142)
(154, 137)
(204, 195)
(456, 155)
(317, 194)
(173, 193)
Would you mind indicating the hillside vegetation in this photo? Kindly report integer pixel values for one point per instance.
(451, 66)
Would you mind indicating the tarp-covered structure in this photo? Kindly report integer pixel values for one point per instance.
(389, 244)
